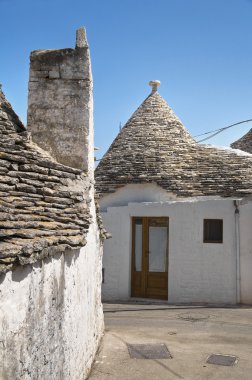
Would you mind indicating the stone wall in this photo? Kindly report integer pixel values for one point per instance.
(60, 103)
(51, 318)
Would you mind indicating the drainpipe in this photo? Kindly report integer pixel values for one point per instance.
(237, 240)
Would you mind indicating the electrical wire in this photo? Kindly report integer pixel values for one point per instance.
(217, 131)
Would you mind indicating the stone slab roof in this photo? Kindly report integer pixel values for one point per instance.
(43, 204)
(154, 146)
(244, 143)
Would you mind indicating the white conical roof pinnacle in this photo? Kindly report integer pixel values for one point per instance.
(154, 84)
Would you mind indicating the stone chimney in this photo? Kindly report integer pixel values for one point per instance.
(60, 103)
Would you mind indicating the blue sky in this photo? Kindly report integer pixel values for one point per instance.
(200, 50)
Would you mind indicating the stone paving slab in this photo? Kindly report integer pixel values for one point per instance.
(191, 334)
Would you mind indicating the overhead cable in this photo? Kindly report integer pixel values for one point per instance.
(217, 131)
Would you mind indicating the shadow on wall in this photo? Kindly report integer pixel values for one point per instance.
(21, 272)
(2, 277)
(71, 255)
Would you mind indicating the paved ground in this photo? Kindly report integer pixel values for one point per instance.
(190, 333)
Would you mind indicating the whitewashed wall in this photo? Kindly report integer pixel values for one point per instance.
(198, 272)
(51, 318)
(147, 192)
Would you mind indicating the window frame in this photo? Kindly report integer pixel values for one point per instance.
(205, 240)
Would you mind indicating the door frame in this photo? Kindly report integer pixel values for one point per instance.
(142, 291)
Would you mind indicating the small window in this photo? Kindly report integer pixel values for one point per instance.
(213, 230)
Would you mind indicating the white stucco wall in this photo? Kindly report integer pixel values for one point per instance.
(142, 192)
(246, 250)
(51, 318)
(198, 272)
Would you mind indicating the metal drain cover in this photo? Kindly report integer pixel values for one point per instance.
(149, 351)
(219, 359)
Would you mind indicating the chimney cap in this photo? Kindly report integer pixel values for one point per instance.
(154, 84)
(81, 38)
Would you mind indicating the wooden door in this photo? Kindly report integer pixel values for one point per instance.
(150, 238)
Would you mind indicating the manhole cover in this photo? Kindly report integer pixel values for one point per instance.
(219, 359)
(149, 351)
(193, 317)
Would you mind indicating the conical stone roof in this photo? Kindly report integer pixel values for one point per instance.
(43, 204)
(10, 122)
(244, 143)
(154, 146)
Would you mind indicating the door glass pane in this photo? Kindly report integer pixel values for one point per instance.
(138, 245)
(157, 249)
